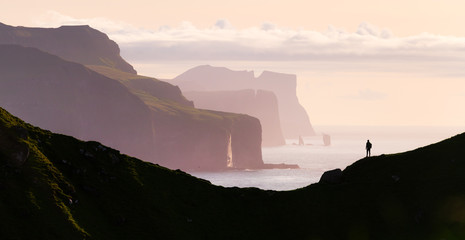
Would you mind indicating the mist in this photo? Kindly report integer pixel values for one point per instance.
(363, 94)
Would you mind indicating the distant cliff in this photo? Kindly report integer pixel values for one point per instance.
(260, 104)
(81, 44)
(190, 138)
(147, 85)
(293, 117)
(68, 98)
(147, 118)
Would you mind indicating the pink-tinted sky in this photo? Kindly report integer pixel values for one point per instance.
(406, 17)
(359, 62)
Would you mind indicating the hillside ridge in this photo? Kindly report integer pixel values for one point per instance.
(56, 187)
(81, 44)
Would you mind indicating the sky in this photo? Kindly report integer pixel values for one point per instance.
(358, 62)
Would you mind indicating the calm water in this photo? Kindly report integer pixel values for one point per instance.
(347, 146)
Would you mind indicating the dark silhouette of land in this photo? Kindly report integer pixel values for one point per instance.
(56, 187)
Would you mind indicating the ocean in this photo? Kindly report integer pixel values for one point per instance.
(347, 146)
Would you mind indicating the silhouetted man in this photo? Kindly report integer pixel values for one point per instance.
(368, 148)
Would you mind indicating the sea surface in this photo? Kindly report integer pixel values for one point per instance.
(347, 146)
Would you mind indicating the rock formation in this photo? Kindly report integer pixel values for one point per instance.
(260, 104)
(143, 117)
(331, 177)
(293, 117)
(68, 98)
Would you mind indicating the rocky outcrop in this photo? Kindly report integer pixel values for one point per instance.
(331, 177)
(13, 150)
(140, 120)
(81, 44)
(260, 104)
(293, 117)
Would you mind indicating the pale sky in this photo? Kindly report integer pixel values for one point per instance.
(358, 62)
(406, 17)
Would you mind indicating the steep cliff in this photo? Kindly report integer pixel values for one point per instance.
(293, 117)
(81, 44)
(68, 98)
(189, 138)
(149, 119)
(200, 139)
(260, 104)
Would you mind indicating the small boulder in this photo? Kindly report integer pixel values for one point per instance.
(19, 154)
(21, 132)
(332, 176)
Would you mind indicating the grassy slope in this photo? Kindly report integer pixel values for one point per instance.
(160, 104)
(116, 74)
(414, 195)
(161, 91)
(118, 197)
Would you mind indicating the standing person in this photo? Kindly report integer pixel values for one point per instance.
(368, 148)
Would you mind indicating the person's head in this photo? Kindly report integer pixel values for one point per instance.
(368, 140)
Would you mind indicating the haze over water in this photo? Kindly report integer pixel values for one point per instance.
(347, 146)
(357, 63)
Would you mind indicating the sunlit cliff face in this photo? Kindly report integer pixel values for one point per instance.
(230, 162)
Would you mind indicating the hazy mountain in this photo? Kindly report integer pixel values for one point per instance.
(68, 98)
(81, 44)
(190, 138)
(260, 104)
(150, 119)
(148, 85)
(293, 117)
(57, 187)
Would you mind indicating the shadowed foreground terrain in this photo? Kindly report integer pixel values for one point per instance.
(56, 187)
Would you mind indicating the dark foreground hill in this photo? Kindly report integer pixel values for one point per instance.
(56, 187)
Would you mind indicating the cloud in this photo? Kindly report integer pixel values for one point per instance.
(270, 42)
(368, 29)
(368, 95)
(56, 19)
(223, 24)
